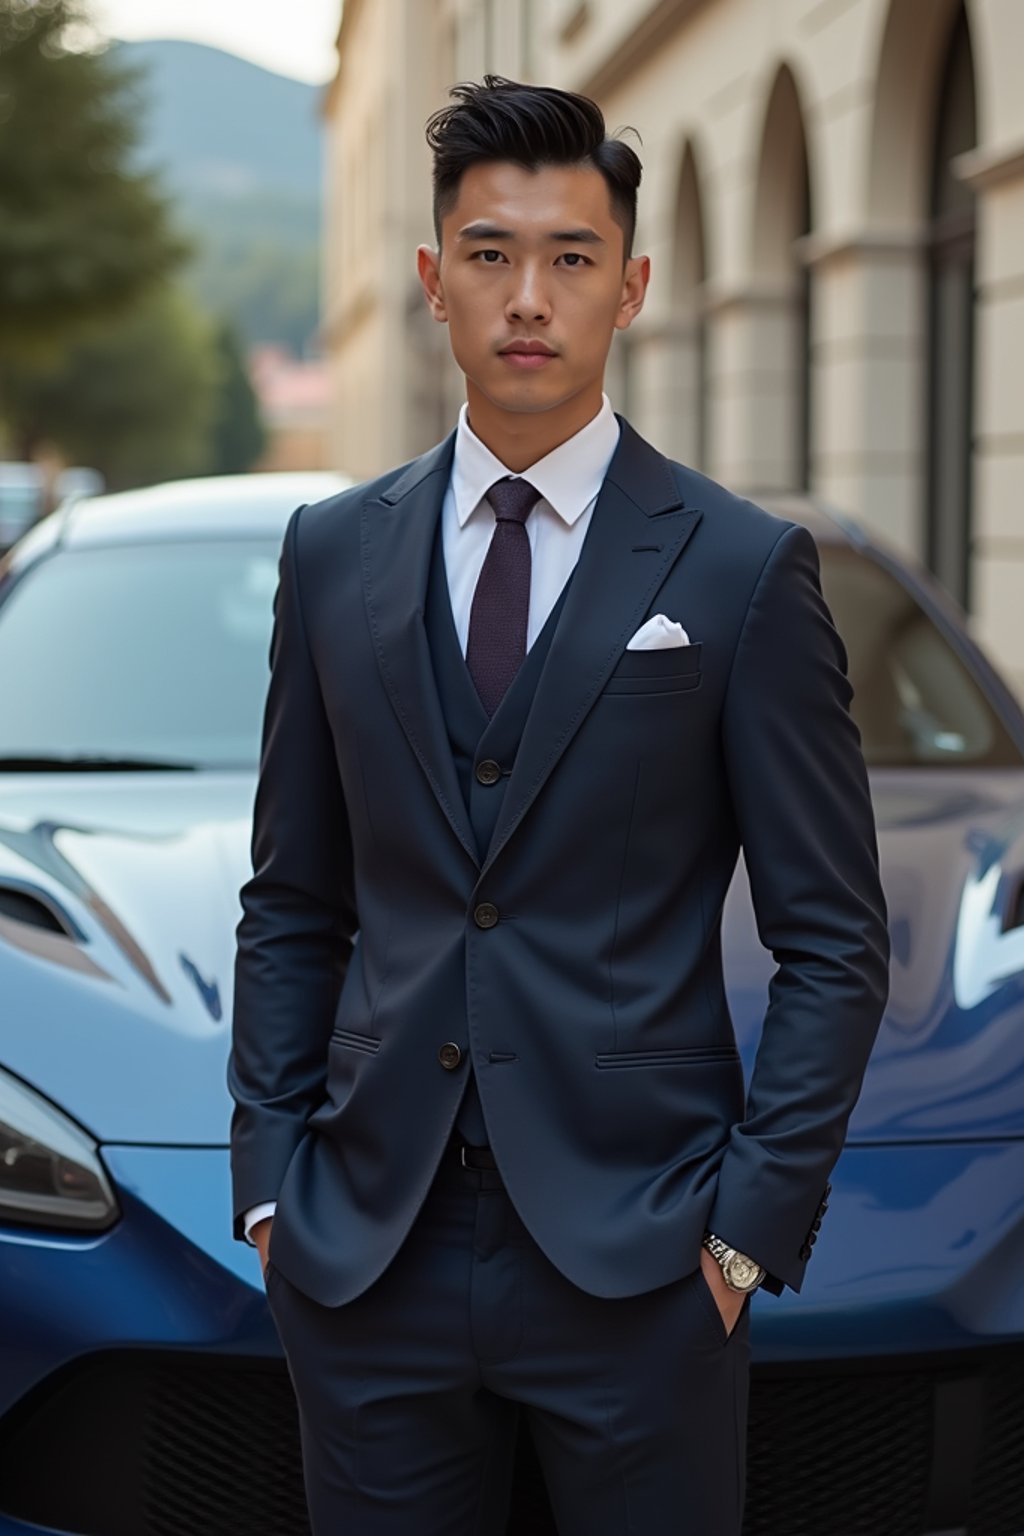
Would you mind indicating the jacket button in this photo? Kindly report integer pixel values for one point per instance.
(488, 772)
(449, 1055)
(486, 915)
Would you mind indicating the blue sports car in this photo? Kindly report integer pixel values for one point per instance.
(142, 1387)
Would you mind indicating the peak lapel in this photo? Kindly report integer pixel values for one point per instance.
(397, 532)
(612, 586)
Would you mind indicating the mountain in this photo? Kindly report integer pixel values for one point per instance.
(216, 124)
(240, 150)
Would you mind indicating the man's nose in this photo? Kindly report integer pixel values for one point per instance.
(529, 298)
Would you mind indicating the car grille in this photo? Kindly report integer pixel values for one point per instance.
(863, 1450)
(156, 1444)
(847, 1456)
(997, 1503)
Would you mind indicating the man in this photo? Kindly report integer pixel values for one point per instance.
(530, 694)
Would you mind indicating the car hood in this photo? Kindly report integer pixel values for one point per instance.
(119, 902)
(949, 1059)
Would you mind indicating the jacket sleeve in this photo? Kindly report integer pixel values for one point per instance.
(295, 935)
(800, 795)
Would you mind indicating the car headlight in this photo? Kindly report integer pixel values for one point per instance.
(50, 1171)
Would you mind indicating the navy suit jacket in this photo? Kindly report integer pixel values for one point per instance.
(593, 1009)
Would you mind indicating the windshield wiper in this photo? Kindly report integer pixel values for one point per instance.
(92, 763)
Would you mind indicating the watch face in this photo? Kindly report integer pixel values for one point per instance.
(742, 1272)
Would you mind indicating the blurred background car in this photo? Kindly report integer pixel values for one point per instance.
(140, 1359)
(22, 489)
(25, 495)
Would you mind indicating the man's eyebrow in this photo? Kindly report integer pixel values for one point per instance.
(484, 231)
(481, 230)
(583, 236)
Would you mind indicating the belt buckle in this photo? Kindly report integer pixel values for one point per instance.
(462, 1155)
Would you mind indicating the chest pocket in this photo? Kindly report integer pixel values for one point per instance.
(673, 670)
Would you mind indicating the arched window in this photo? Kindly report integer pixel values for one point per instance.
(782, 216)
(951, 296)
(689, 327)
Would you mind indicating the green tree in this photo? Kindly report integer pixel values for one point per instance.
(138, 400)
(268, 286)
(237, 435)
(82, 231)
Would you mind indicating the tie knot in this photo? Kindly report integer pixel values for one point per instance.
(512, 499)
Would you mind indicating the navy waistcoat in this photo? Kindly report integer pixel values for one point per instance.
(477, 740)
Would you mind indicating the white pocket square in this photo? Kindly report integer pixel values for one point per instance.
(658, 634)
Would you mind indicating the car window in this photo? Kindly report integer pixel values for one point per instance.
(915, 702)
(156, 651)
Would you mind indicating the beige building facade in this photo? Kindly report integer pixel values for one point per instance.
(833, 201)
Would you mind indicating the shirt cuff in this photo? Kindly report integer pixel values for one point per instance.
(256, 1213)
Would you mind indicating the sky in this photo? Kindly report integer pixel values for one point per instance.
(295, 38)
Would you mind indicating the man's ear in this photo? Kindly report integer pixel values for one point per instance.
(428, 266)
(634, 288)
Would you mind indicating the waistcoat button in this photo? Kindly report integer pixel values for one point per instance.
(488, 772)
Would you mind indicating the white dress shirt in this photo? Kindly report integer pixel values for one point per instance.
(568, 479)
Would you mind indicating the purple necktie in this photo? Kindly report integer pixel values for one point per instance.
(501, 603)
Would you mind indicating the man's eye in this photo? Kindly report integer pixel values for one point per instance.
(575, 259)
(487, 256)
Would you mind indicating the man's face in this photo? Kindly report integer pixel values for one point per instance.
(531, 281)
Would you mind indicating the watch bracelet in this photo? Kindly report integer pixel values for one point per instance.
(721, 1252)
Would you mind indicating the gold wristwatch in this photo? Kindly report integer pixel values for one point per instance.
(740, 1272)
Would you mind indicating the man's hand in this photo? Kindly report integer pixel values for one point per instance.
(730, 1303)
(260, 1235)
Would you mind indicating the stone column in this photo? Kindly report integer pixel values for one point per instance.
(753, 386)
(666, 386)
(997, 176)
(868, 381)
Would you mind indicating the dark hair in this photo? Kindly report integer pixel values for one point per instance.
(532, 125)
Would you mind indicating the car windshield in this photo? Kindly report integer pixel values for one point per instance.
(915, 702)
(155, 654)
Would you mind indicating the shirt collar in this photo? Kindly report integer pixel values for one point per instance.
(568, 478)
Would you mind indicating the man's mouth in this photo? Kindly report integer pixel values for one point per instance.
(527, 354)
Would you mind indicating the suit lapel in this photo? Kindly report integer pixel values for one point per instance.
(637, 530)
(397, 532)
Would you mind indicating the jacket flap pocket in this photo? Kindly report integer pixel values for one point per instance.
(671, 662)
(356, 1041)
